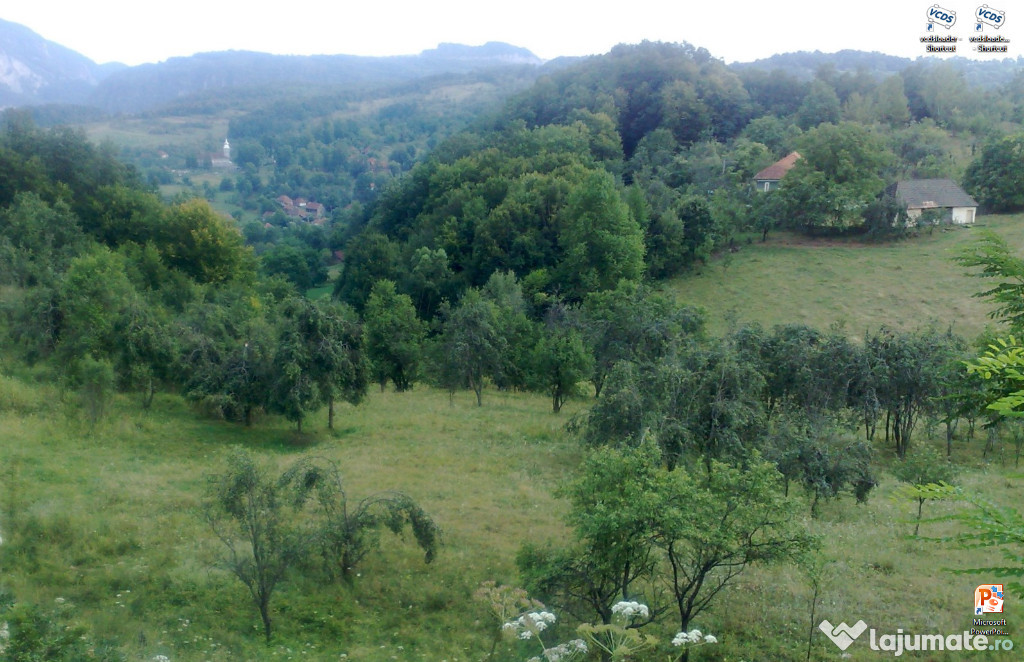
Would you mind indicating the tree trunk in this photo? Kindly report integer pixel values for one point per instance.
(265, 615)
(814, 604)
(298, 425)
(330, 413)
(150, 392)
(920, 505)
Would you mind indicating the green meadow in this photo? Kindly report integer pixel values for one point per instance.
(819, 282)
(102, 523)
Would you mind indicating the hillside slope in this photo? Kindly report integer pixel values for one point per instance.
(792, 279)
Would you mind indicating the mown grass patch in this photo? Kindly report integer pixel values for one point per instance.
(904, 284)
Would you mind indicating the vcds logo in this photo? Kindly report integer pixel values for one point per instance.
(944, 17)
(992, 17)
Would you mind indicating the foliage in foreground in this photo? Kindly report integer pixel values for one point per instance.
(267, 529)
(638, 526)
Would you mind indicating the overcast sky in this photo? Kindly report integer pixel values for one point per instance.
(136, 31)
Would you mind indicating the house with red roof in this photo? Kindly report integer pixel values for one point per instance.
(769, 178)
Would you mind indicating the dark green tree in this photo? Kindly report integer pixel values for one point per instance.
(560, 360)
(471, 344)
(996, 177)
(711, 527)
(601, 242)
(393, 335)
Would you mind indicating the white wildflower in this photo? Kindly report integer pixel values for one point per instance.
(710, 639)
(629, 610)
(578, 645)
(509, 627)
(695, 634)
(525, 634)
(680, 639)
(161, 658)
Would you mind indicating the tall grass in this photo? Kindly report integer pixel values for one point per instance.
(106, 518)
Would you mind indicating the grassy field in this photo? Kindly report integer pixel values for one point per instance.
(791, 279)
(158, 133)
(107, 519)
(102, 523)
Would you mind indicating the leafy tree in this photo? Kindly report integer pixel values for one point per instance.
(471, 343)
(905, 370)
(295, 391)
(993, 256)
(890, 100)
(294, 263)
(92, 295)
(632, 323)
(517, 330)
(839, 174)
(199, 242)
(339, 363)
(145, 351)
(37, 241)
(639, 526)
(996, 178)
(602, 243)
(394, 336)
(613, 505)
(886, 217)
(560, 359)
(822, 460)
(247, 511)
(820, 106)
(702, 403)
(346, 532)
(226, 361)
(122, 213)
(711, 527)
(368, 259)
(923, 467)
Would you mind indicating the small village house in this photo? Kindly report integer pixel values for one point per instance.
(769, 178)
(920, 195)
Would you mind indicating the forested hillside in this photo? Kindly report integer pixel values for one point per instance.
(682, 135)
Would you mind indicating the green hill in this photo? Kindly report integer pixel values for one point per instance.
(818, 282)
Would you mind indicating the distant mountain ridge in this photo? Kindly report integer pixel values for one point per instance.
(149, 85)
(35, 71)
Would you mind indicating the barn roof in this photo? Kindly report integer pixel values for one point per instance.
(928, 193)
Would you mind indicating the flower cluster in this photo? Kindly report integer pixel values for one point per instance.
(562, 652)
(630, 610)
(529, 624)
(693, 637)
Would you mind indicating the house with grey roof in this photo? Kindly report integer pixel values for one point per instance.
(921, 195)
